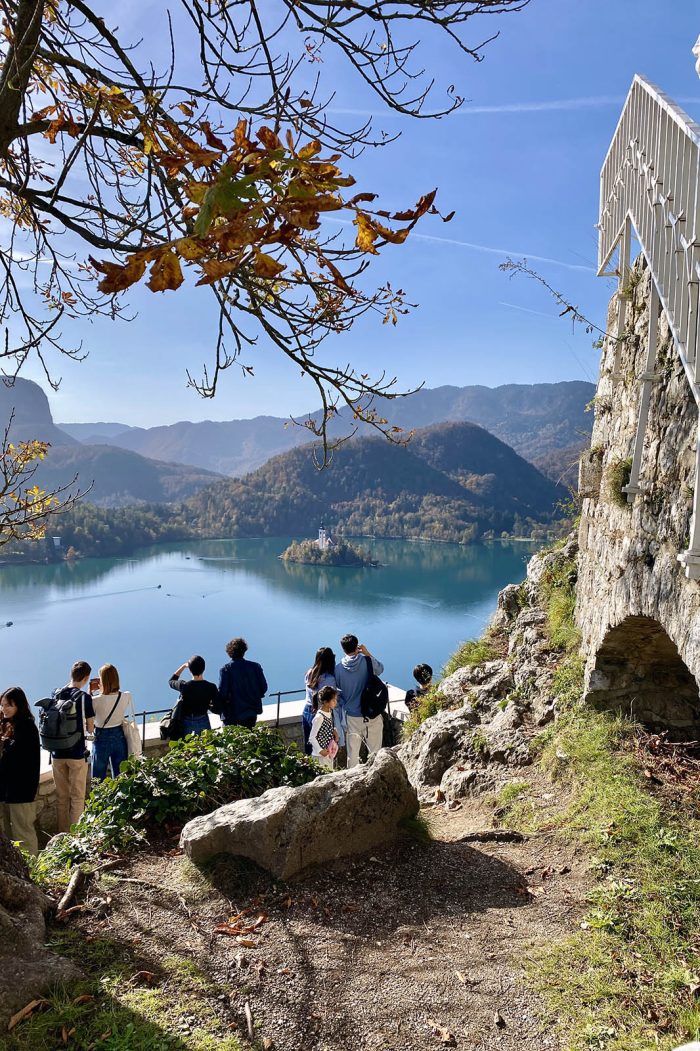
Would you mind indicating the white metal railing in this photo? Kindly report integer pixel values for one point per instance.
(650, 182)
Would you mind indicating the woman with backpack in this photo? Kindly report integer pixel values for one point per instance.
(320, 674)
(20, 762)
(110, 748)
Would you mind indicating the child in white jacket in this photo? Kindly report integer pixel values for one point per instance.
(323, 738)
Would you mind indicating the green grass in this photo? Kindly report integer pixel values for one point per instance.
(617, 476)
(113, 1011)
(624, 981)
(558, 597)
(470, 654)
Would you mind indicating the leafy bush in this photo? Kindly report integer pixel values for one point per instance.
(194, 776)
(618, 476)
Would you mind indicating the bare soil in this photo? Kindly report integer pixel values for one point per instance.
(421, 945)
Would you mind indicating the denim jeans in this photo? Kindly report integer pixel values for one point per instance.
(109, 748)
(195, 724)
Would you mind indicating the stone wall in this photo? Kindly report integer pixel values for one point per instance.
(638, 613)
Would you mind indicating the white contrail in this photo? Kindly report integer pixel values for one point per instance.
(503, 252)
(544, 106)
(528, 310)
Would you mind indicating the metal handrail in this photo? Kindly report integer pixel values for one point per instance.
(279, 694)
(650, 183)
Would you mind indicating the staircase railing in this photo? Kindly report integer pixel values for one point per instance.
(650, 183)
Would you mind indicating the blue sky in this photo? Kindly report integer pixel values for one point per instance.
(519, 164)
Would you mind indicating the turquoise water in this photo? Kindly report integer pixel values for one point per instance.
(148, 613)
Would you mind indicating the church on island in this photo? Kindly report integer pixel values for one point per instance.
(325, 540)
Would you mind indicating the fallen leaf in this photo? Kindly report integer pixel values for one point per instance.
(267, 1044)
(25, 1013)
(548, 872)
(84, 999)
(247, 943)
(446, 1037)
(462, 977)
(148, 977)
(498, 1020)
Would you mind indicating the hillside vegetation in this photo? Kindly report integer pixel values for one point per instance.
(453, 482)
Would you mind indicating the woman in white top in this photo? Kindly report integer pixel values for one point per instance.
(110, 703)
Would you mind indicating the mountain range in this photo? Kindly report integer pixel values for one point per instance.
(113, 476)
(538, 421)
(455, 481)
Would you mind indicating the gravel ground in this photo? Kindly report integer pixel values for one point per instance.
(418, 946)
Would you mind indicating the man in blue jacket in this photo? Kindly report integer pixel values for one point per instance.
(242, 686)
(351, 677)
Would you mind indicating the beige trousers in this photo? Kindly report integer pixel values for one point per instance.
(358, 730)
(18, 824)
(70, 778)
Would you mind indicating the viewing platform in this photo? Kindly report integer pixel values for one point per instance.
(285, 715)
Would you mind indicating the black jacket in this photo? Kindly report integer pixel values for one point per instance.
(20, 764)
(242, 687)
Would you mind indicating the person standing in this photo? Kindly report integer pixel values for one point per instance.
(70, 765)
(323, 737)
(198, 696)
(20, 763)
(242, 686)
(320, 674)
(110, 749)
(351, 676)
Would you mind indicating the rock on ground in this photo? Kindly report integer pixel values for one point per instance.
(286, 830)
(28, 968)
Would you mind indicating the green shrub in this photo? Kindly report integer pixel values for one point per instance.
(617, 476)
(194, 776)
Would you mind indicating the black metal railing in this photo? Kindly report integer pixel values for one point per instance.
(147, 717)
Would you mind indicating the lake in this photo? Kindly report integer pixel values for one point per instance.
(148, 613)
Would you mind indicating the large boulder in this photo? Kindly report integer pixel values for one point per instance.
(286, 830)
(28, 968)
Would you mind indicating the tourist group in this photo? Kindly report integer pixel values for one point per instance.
(342, 717)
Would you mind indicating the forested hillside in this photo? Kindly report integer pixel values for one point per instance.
(454, 482)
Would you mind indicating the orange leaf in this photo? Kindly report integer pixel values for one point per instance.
(25, 1013)
(266, 266)
(165, 272)
(213, 140)
(118, 278)
(269, 139)
(215, 269)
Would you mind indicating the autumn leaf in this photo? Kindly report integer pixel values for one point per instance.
(188, 248)
(212, 140)
(266, 266)
(118, 278)
(215, 269)
(269, 139)
(312, 149)
(446, 1037)
(165, 273)
(366, 234)
(25, 1012)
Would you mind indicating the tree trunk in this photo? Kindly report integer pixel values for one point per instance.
(17, 68)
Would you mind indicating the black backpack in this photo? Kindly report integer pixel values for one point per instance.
(61, 727)
(375, 695)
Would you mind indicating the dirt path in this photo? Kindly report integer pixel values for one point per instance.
(417, 946)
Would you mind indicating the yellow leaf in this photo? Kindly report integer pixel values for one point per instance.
(266, 266)
(312, 149)
(188, 248)
(165, 273)
(366, 234)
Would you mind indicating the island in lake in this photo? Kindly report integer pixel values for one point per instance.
(326, 551)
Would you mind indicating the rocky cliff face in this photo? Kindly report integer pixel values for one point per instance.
(638, 614)
(493, 710)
